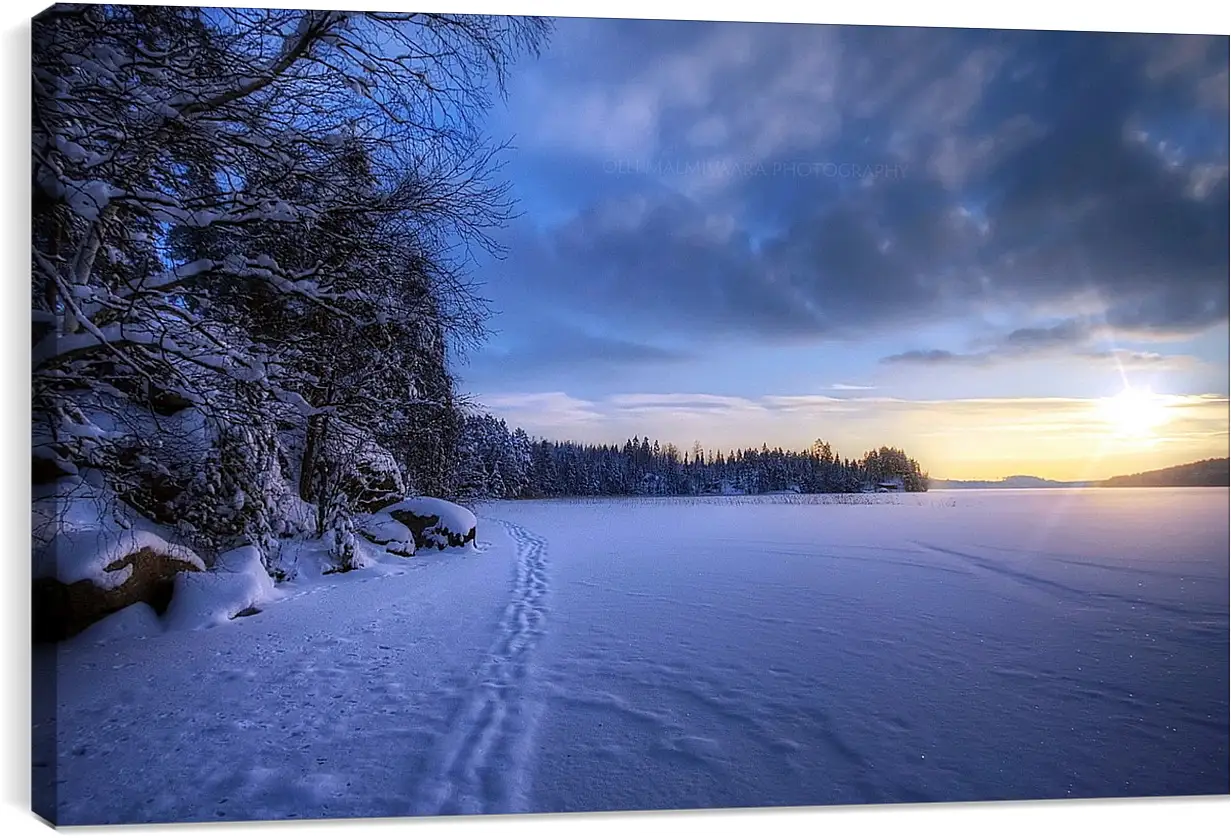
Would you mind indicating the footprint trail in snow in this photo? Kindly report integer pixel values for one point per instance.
(483, 760)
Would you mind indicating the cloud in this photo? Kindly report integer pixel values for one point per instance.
(851, 387)
(1033, 339)
(1003, 432)
(1127, 359)
(557, 408)
(560, 406)
(1024, 343)
(801, 183)
(566, 346)
(937, 357)
(554, 347)
(644, 88)
(698, 402)
(1073, 338)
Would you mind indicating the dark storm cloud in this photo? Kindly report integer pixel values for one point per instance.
(793, 182)
(665, 260)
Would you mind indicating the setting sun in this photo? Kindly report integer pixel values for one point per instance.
(1134, 412)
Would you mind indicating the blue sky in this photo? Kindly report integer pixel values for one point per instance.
(740, 232)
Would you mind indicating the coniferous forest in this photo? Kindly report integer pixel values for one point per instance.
(494, 462)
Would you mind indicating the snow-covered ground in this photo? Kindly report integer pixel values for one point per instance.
(668, 654)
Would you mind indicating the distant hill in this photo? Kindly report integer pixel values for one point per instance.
(1201, 473)
(1017, 481)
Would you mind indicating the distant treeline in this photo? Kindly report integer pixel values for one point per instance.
(499, 463)
(1214, 472)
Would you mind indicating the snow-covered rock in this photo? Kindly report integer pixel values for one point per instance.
(82, 576)
(109, 559)
(237, 583)
(434, 522)
(380, 528)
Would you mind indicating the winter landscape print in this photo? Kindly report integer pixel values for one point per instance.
(457, 414)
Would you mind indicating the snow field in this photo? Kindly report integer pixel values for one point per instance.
(981, 646)
(1010, 645)
(329, 703)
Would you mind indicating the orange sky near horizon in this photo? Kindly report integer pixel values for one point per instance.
(956, 439)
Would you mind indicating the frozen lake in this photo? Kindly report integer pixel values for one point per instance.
(602, 655)
(958, 646)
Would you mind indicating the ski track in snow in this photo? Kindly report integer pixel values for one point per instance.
(1053, 587)
(482, 762)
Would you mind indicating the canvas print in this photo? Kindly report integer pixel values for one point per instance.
(471, 414)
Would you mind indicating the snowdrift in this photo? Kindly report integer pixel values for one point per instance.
(237, 583)
(136, 621)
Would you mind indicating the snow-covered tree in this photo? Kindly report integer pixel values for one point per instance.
(265, 216)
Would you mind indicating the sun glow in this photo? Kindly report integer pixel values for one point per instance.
(1134, 413)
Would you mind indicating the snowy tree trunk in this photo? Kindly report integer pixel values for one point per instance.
(308, 465)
